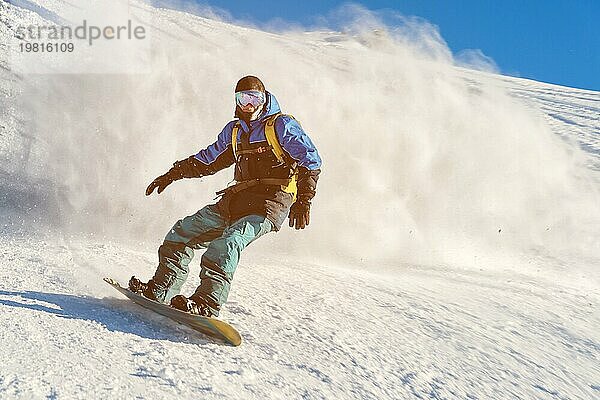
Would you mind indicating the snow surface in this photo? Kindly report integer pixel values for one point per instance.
(459, 262)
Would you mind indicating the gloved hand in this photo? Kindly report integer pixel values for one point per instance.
(300, 214)
(161, 182)
(188, 168)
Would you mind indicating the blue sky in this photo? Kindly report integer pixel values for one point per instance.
(556, 41)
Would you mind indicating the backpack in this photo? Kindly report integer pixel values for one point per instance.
(287, 185)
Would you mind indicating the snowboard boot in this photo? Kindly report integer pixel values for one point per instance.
(191, 306)
(137, 286)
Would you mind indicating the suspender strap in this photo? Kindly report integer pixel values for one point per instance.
(234, 134)
(272, 137)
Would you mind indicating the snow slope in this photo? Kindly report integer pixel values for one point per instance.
(481, 283)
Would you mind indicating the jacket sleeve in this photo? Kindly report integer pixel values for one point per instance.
(301, 149)
(296, 143)
(217, 156)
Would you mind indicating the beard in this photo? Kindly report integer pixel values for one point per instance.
(248, 116)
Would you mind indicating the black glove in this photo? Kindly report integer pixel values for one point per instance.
(300, 214)
(188, 168)
(161, 183)
(307, 186)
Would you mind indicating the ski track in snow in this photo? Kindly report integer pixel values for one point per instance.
(309, 331)
(416, 334)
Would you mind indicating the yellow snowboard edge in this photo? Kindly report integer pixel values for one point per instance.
(232, 335)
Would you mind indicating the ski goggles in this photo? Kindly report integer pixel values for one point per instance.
(254, 97)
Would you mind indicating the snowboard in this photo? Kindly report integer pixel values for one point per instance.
(209, 326)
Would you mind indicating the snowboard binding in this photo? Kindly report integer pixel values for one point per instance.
(139, 287)
(182, 303)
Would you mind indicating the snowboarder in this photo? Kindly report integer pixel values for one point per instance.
(276, 172)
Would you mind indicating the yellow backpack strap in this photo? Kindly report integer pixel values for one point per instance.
(271, 137)
(234, 134)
